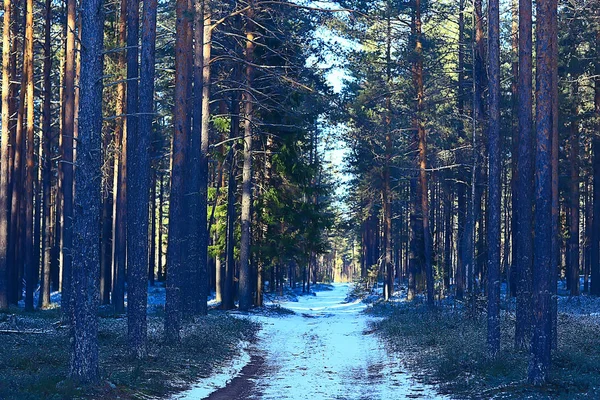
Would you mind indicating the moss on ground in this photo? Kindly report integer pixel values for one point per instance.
(35, 365)
(447, 347)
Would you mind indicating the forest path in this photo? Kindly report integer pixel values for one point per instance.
(324, 351)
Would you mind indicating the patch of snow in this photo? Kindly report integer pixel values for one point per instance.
(327, 351)
(228, 371)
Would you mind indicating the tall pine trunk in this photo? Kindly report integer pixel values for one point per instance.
(4, 153)
(86, 221)
(68, 135)
(422, 145)
(31, 265)
(386, 197)
(139, 140)
(46, 161)
(177, 223)
(459, 277)
(245, 288)
(523, 195)
(198, 243)
(228, 281)
(120, 178)
(543, 266)
(494, 180)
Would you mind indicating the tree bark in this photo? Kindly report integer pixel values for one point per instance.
(31, 265)
(46, 161)
(524, 194)
(422, 144)
(494, 180)
(139, 135)
(512, 273)
(177, 225)
(16, 237)
(459, 277)
(86, 221)
(120, 184)
(543, 266)
(198, 241)
(4, 153)
(387, 191)
(245, 283)
(68, 134)
(228, 284)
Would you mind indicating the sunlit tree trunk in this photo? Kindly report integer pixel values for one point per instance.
(422, 145)
(120, 177)
(198, 241)
(46, 161)
(245, 287)
(387, 191)
(68, 134)
(31, 265)
(4, 153)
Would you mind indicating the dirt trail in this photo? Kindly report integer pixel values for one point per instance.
(324, 351)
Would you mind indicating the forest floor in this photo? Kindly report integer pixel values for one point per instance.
(447, 346)
(323, 347)
(34, 354)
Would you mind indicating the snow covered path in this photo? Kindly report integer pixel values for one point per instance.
(325, 351)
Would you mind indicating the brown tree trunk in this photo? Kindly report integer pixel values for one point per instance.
(387, 191)
(197, 200)
(494, 180)
(17, 214)
(31, 265)
(543, 266)
(523, 194)
(459, 278)
(46, 161)
(245, 282)
(177, 224)
(68, 134)
(4, 154)
(120, 177)
(422, 144)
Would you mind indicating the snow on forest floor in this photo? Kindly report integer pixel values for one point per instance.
(326, 350)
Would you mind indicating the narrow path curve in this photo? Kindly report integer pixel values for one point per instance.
(324, 351)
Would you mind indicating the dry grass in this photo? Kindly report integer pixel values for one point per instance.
(448, 348)
(35, 366)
